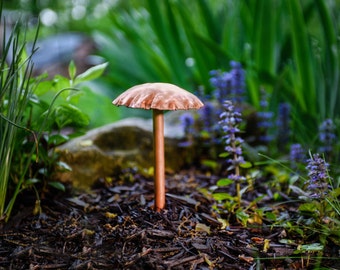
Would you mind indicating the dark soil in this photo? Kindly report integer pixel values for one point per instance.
(114, 227)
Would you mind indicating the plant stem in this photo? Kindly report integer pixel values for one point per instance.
(159, 162)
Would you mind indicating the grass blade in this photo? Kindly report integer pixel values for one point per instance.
(304, 79)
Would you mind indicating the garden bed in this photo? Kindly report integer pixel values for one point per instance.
(114, 227)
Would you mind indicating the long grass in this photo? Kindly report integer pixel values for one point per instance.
(15, 92)
(289, 47)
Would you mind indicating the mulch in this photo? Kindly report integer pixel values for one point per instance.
(114, 226)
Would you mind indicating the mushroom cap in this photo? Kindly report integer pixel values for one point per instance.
(159, 96)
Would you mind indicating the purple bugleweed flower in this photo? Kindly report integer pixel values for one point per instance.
(221, 81)
(264, 118)
(237, 81)
(230, 119)
(296, 154)
(318, 176)
(229, 85)
(187, 121)
(327, 136)
(207, 114)
(283, 127)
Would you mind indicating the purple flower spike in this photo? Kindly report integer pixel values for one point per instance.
(318, 177)
(296, 154)
(237, 81)
(265, 119)
(187, 121)
(283, 125)
(230, 119)
(327, 136)
(229, 85)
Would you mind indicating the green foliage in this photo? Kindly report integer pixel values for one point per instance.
(293, 52)
(288, 47)
(33, 114)
(15, 92)
(47, 116)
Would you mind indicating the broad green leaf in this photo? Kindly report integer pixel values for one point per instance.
(224, 155)
(271, 216)
(246, 165)
(67, 114)
(59, 83)
(222, 196)
(210, 163)
(31, 181)
(309, 207)
(91, 74)
(309, 248)
(224, 182)
(43, 88)
(57, 139)
(57, 185)
(88, 102)
(64, 166)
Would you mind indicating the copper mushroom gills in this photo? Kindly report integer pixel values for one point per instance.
(158, 97)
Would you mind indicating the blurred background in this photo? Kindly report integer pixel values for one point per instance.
(288, 48)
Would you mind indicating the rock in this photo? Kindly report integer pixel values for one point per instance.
(126, 143)
(55, 53)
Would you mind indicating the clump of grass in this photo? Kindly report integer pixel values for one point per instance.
(15, 92)
(33, 113)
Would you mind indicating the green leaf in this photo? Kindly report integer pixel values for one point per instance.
(210, 163)
(242, 216)
(91, 74)
(72, 70)
(32, 181)
(271, 216)
(224, 182)
(222, 196)
(308, 207)
(88, 102)
(246, 165)
(66, 114)
(64, 166)
(43, 88)
(57, 185)
(304, 79)
(57, 139)
(309, 248)
(264, 32)
(224, 155)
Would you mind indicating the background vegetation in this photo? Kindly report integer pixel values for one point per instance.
(288, 47)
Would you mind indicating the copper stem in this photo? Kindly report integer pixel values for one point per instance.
(159, 167)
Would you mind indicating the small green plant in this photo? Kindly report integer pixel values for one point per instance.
(33, 114)
(320, 206)
(50, 109)
(15, 93)
(230, 119)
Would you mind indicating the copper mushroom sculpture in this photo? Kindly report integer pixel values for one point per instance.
(158, 97)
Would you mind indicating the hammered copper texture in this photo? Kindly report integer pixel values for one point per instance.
(160, 96)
